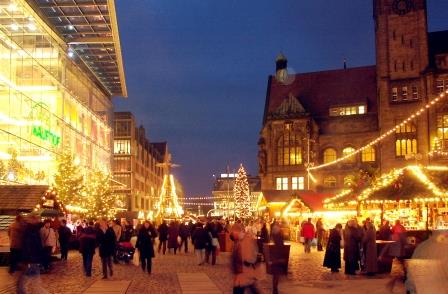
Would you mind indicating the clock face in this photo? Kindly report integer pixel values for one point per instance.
(401, 7)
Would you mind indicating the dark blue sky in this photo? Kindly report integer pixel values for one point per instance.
(197, 70)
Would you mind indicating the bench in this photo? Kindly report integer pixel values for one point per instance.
(426, 276)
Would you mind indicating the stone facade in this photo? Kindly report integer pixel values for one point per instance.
(327, 113)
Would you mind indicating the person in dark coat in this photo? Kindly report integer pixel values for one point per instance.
(106, 241)
(15, 234)
(87, 244)
(163, 236)
(279, 263)
(173, 233)
(320, 231)
(332, 257)
(32, 243)
(212, 231)
(201, 239)
(352, 238)
(385, 232)
(64, 239)
(370, 249)
(145, 245)
(184, 233)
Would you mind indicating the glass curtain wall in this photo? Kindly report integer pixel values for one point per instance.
(47, 103)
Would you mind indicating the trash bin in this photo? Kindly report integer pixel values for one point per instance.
(284, 255)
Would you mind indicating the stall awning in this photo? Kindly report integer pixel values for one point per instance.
(20, 197)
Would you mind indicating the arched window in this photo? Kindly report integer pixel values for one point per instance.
(347, 151)
(368, 154)
(330, 182)
(349, 181)
(329, 155)
(289, 149)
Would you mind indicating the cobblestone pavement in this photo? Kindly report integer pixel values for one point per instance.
(305, 270)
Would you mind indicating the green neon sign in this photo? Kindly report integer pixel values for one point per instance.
(46, 135)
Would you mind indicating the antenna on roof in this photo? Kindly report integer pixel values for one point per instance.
(345, 63)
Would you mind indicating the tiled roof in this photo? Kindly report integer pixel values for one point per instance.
(20, 197)
(317, 91)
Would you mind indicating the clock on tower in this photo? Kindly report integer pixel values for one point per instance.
(401, 7)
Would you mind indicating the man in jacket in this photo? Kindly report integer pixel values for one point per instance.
(163, 236)
(48, 238)
(87, 244)
(184, 232)
(117, 231)
(15, 234)
(64, 239)
(308, 233)
(201, 239)
(106, 241)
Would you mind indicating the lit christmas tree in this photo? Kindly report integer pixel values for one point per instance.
(69, 181)
(241, 194)
(101, 201)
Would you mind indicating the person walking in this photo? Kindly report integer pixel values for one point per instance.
(15, 234)
(184, 233)
(32, 244)
(106, 241)
(351, 248)
(48, 238)
(145, 245)
(385, 233)
(332, 257)
(370, 249)
(279, 263)
(320, 231)
(308, 233)
(173, 233)
(243, 259)
(163, 236)
(87, 244)
(201, 239)
(212, 247)
(64, 233)
(118, 230)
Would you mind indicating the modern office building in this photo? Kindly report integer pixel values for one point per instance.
(137, 163)
(60, 64)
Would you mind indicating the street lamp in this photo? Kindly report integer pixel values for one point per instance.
(308, 164)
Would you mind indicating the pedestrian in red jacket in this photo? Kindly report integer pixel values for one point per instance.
(308, 233)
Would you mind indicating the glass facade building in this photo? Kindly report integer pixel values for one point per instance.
(49, 101)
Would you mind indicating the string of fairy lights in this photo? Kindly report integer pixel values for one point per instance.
(384, 135)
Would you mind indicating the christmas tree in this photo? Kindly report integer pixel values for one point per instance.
(241, 194)
(69, 181)
(101, 200)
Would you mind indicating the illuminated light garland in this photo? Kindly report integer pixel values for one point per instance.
(383, 136)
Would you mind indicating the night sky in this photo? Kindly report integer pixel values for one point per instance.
(197, 70)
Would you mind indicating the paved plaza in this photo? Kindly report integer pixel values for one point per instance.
(176, 273)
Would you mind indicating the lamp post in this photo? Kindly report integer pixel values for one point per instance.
(308, 164)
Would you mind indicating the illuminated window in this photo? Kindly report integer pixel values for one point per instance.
(414, 92)
(289, 149)
(349, 181)
(347, 151)
(406, 140)
(348, 110)
(122, 146)
(298, 183)
(442, 130)
(404, 93)
(394, 94)
(329, 155)
(441, 85)
(330, 182)
(368, 154)
(281, 183)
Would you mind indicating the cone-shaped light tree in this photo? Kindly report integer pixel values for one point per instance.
(241, 194)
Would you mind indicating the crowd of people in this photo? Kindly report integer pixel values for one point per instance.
(33, 242)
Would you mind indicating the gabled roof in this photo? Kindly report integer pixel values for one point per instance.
(317, 91)
(161, 147)
(437, 44)
(313, 200)
(20, 197)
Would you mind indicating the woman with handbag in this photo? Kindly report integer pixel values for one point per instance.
(212, 247)
(332, 257)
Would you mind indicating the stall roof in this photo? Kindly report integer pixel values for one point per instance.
(20, 197)
(90, 28)
(313, 200)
